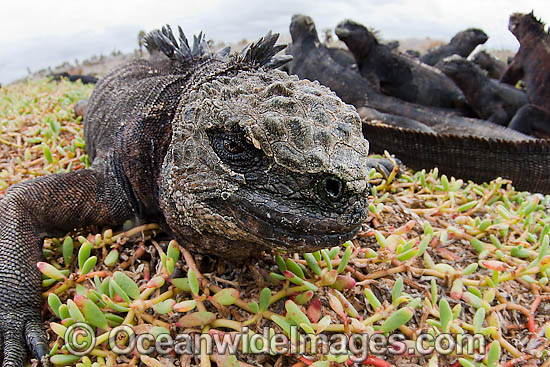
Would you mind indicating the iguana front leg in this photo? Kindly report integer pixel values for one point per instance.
(513, 73)
(49, 205)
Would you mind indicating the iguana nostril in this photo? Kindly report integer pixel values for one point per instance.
(332, 188)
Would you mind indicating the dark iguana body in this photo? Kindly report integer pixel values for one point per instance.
(85, 79)
(532, 65)
(491, 100)
(462, 44)
(493, 66)
(231, 157)
(396, 74)
(466, 148)
(312, 61)
(342, 56)
(480, 159)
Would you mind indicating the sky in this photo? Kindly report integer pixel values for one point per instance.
(35, 34)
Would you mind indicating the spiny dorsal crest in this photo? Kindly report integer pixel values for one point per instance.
(164, 41)
(538, 22)
(256, 54)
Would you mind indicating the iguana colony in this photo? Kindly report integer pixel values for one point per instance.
(230, 155)
(491, 100)
(395, 74)
(234, 157)
(493, 66)
(461, 146)
(462, 44)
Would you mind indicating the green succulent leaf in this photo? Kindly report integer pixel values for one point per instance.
(127, 284)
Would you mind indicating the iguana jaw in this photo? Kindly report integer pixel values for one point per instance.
(266, 219)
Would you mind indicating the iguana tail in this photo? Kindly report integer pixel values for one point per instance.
(525, 162)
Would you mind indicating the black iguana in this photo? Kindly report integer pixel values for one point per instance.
(396, 74)
(230, 155)
(532, 65)
(466, 148)
(493, 66)
(491, 100)
(462, 44)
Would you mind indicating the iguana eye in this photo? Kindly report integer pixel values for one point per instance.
(232, 147)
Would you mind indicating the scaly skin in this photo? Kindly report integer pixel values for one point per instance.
(532, 65)
(465, 148)
(462, 44)
(491, 100)
(395, 74)
(230, 156)
(494, 67)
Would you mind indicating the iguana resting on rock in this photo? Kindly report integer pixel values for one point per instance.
(493, 66)
(466, 148)
(231, 157)
(462, 44)
(532, 65)
(396, 74)
(491, 100)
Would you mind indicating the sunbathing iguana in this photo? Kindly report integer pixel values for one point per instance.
(231, 156)
(396, 74)
(466, 148)
(532, 65)
(493, 66)
(462, 44)
(491, 100)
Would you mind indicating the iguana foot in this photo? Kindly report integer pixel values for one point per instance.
(22, 330)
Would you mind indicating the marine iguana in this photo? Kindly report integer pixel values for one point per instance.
(85, 79)
(462, 44)
(532, 65)
(396, 74)
(493, 66)
(230, 155)
(342, 56)
(465, 148)
(490, 99)
(312, 61)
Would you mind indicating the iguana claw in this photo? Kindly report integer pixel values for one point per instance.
(22, 329)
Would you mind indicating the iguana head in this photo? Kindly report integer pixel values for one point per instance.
(302, 27)
(469, 38)
(458, 68)
(259, 159)
(357, 37)
(483, 59)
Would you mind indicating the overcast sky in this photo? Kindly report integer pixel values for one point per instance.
(41, 33)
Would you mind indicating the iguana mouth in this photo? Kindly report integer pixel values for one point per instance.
(307, 229)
